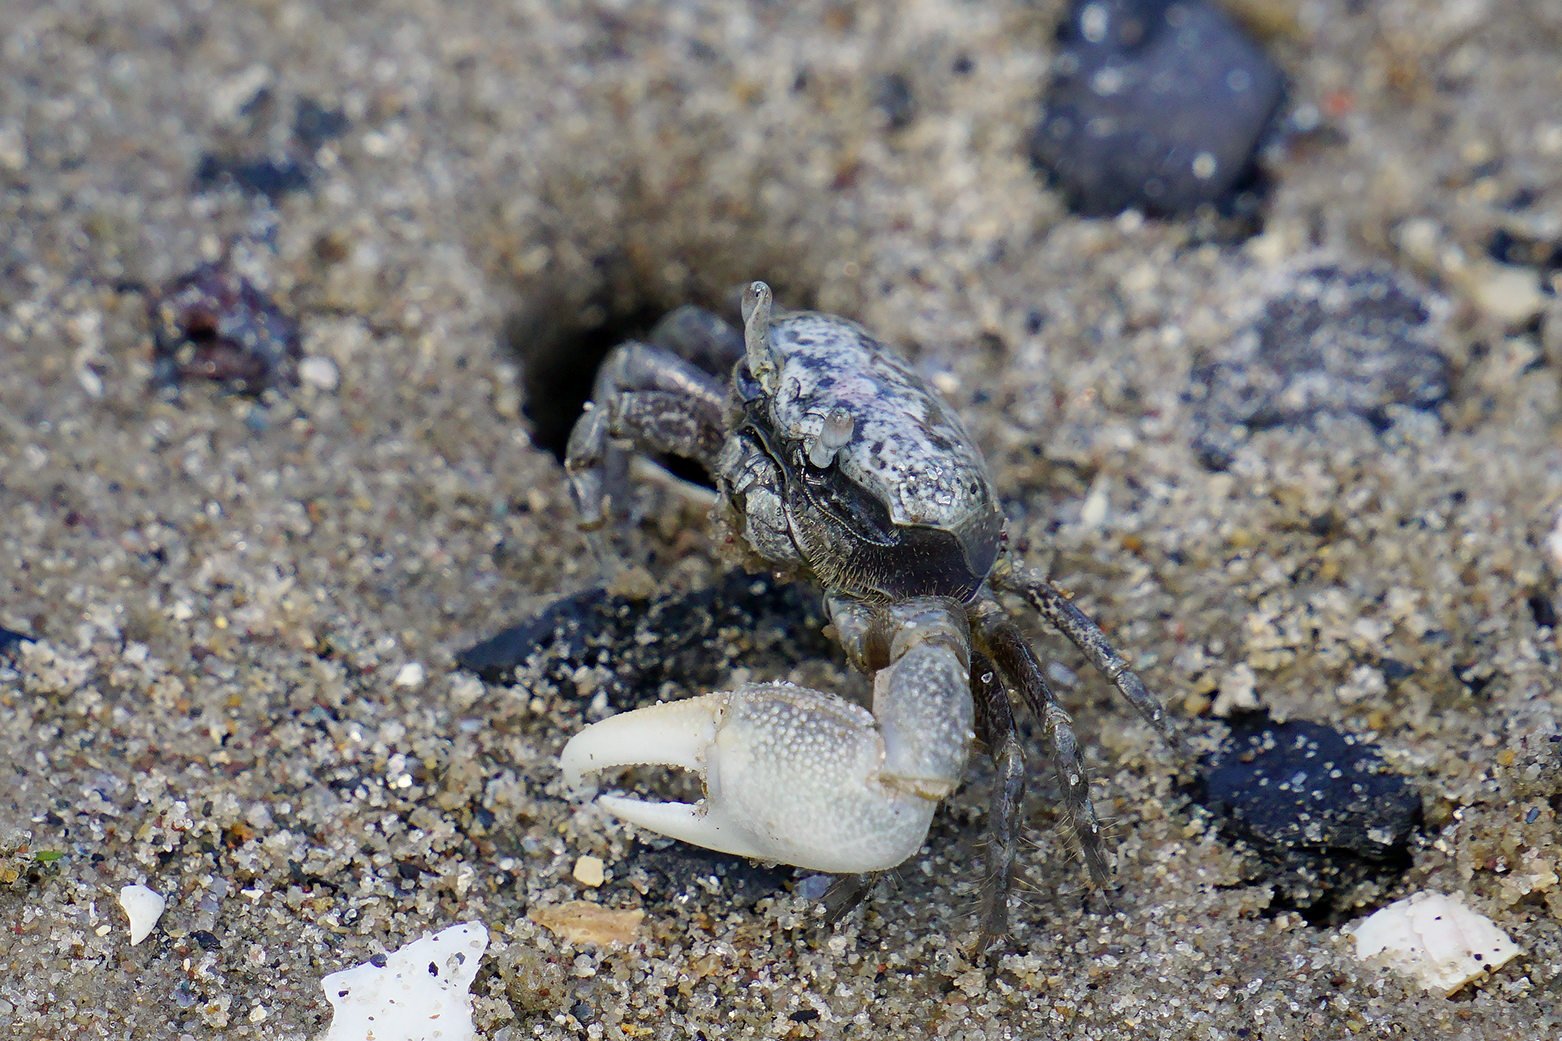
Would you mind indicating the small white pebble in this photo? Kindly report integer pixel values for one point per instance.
(228, 97)
(1061, 674)
(320, 373)
(1508, 294)
(1097, 504)
(1238, 690)
(13, 147)
(1554, 543)
(1434, 939)
(588, 871)
(411, 675)
(143, 907)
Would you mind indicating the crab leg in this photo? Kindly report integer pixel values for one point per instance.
(995, 727)
(800, 776)
(655, 401)
(1017, 662)
(1092, 642)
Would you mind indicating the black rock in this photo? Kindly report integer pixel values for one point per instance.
(314, 124)
(271, 178)
(1157, 105)
(1316, 806)
(893, 97)
(1505, 247)
(1335, 341)
(10, 641)
(677, 868)
(692, 640)
(211, 323)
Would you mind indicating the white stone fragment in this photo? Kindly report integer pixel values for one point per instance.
(420, 993)
(143, 907)
(410, 675)
(320, 373)
(228, 97)
(590, 871)
(1554, 542)
(1435, 940)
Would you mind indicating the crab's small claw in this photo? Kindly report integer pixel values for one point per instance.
(791, 775)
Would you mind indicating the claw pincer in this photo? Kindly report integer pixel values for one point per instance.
(796, 775)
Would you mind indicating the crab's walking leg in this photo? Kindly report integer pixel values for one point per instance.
(995, 727)
(1057, 609)
(1001, 639)
(699, 336)
(657, 402)
(803, 777)
(845, 893)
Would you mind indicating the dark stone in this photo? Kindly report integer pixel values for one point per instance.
(1524, 251)
(1540, 609)
(1335, 341)
(1157, 105)
(11, 642)
(314, 124)
(894, 98)
(213, 324)
(272, 178)
(1394, 670)
(687, 640)
(1316, 806)
(677, 868)
(207, 940)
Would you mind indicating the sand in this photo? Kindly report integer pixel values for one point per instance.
(224, 592)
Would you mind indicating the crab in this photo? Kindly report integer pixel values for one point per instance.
(834, 461)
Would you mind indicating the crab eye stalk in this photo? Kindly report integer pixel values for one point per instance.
(762, 361)
(834, 436)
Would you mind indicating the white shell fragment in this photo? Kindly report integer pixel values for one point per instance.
(418, 993)
(1435, 940)
(143, 907)
(320, 373)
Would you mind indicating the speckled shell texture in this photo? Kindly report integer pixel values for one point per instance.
(908, 448)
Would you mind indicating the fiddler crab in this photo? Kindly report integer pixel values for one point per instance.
(833, 460)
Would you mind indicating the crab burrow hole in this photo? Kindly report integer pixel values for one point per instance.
(560, 334)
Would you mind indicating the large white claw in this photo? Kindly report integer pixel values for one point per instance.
(791, 775)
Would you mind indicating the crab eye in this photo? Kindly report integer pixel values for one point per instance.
(835, 435)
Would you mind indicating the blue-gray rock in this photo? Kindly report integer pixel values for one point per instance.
(1332, 340)
(1157, 105)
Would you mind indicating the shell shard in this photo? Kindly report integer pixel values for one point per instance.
(417, 993)
(143, 907)
(1434, 939)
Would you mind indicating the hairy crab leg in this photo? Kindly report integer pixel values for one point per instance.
(845, 893)
(995, 728)
(1008, 648)
(1057, 609)
(656, 401)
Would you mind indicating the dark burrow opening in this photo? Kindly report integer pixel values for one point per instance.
(560, 345)
(560, 338)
